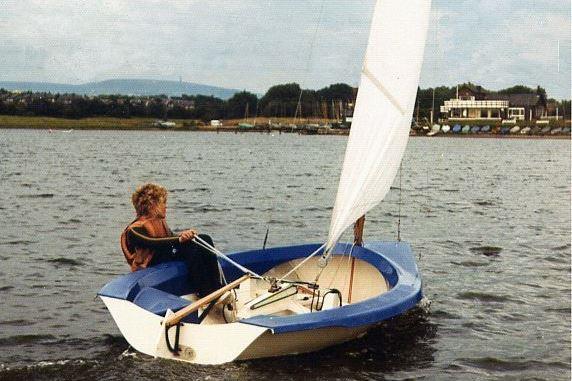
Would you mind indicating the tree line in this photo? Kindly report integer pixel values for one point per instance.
(285, 100)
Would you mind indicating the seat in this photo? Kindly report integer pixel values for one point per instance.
(158, 302)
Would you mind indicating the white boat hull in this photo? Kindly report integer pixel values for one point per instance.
(218, 343)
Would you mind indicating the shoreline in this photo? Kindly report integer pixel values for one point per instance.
(9, 122)
(492, 136)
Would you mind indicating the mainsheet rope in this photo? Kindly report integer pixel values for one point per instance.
(202, 243)
(199, 241)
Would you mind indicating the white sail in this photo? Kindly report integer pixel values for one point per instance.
(383, 111)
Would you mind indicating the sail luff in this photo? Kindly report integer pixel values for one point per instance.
(383, 111)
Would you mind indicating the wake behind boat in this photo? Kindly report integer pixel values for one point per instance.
(302, 298)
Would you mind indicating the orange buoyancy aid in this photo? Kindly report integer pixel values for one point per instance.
(140, 257)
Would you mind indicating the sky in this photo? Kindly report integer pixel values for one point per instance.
(254, 44)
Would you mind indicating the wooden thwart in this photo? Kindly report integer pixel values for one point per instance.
(180, 315)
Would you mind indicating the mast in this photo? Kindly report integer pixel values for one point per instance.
(246, 113)
(358, 231)
(333, 111)
(417, 117)
(433, 107)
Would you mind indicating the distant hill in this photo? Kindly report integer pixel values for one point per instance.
(124, 87)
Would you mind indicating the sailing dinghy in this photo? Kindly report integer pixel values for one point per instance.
(303, 298)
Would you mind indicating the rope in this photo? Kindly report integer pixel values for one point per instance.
(340, 265)
(325, 257)
(202, 243)
(301, 263)
(399, 211)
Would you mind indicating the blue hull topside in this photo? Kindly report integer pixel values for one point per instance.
(156, 289)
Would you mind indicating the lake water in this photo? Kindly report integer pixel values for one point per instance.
(488, 218)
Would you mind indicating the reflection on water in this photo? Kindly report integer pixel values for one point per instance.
(488, 218)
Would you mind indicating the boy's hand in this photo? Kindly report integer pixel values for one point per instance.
(187, 235)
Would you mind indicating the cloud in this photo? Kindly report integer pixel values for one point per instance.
(254, 44)
(502, 43)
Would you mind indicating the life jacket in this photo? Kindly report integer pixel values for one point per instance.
(140, 257)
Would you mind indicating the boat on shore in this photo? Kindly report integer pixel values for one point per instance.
(435, 129)
(164, 124)
(556, 131)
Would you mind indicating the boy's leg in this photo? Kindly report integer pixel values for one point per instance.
(203, 266)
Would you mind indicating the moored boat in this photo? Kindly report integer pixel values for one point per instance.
(486, 129)
(525, 131)
(457, 128)
(245, 126)
(310, 129)
(515, 130)
(446, 128)
(475, 129)
(466, 129)
(556, 131)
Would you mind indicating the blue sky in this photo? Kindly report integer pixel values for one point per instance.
(253, 44)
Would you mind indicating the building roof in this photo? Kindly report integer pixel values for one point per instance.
(552, 106)
(523, 100)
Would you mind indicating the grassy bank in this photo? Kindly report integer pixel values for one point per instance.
(100, 123)
(107, 123)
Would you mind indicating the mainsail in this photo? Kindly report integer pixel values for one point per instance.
(383, 111)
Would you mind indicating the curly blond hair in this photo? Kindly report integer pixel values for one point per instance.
(147, 196)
